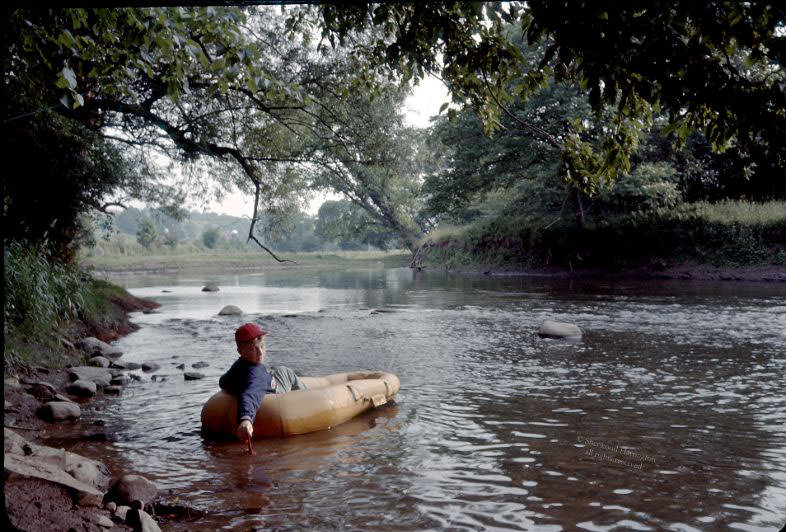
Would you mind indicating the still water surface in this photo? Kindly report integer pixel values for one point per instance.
(669, 414)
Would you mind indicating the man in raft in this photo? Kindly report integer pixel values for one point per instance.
(250, 380)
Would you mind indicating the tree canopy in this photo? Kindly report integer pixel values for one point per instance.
(235, 95)
(714, 67)
(257, 98)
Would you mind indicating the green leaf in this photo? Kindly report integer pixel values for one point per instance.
(69, 76)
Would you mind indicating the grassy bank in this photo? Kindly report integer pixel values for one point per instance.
(257, 260)
(50, 305)
(730, 234)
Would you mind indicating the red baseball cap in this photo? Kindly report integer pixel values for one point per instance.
(249, 331)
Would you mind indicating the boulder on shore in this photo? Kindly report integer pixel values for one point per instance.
(558, 329)
(99, 362)
(230, 310)
(84, 477)
(82, 388)
(141, 521)
(100, 376)
(59, 411)
(43, 391)
(94, 346)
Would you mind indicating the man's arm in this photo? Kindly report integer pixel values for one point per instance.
(257, 384)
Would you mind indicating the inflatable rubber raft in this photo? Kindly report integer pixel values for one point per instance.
(327, 402)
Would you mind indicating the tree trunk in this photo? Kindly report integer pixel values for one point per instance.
(579, 208)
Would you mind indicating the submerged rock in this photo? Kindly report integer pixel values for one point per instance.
(198, 365)
(230, 310)
(558, 329)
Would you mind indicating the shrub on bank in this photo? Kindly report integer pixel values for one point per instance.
(43, 299)
(731, 233)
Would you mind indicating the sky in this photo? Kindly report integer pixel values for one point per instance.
(419, 107)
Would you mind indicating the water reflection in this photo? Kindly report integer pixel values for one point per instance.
(668, 415)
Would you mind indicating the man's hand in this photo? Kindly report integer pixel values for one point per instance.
(245, 430)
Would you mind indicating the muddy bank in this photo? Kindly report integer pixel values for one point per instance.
(47, 488)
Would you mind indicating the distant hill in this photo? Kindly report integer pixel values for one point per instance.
(190, 228)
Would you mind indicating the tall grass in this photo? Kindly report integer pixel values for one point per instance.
(742, 212)
(40, 293)
(44, 299)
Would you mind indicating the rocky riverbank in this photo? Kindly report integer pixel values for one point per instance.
(49, 488)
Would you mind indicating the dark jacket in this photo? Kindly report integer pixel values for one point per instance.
(250, 382)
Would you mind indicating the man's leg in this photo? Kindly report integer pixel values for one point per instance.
(286, 379)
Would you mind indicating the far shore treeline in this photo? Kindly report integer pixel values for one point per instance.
(590, 136)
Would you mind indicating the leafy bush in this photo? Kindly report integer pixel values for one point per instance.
(732, 233)
(649, 187)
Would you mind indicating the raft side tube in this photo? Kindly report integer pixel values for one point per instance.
(328, 401)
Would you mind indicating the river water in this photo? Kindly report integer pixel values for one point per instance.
(669, 414)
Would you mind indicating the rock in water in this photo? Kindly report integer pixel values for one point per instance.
(198, 365)
(210, 288)
(125, 365)
(558, 329)
(230, 310)
(192, 376)
(130, 488)
(150, 366)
